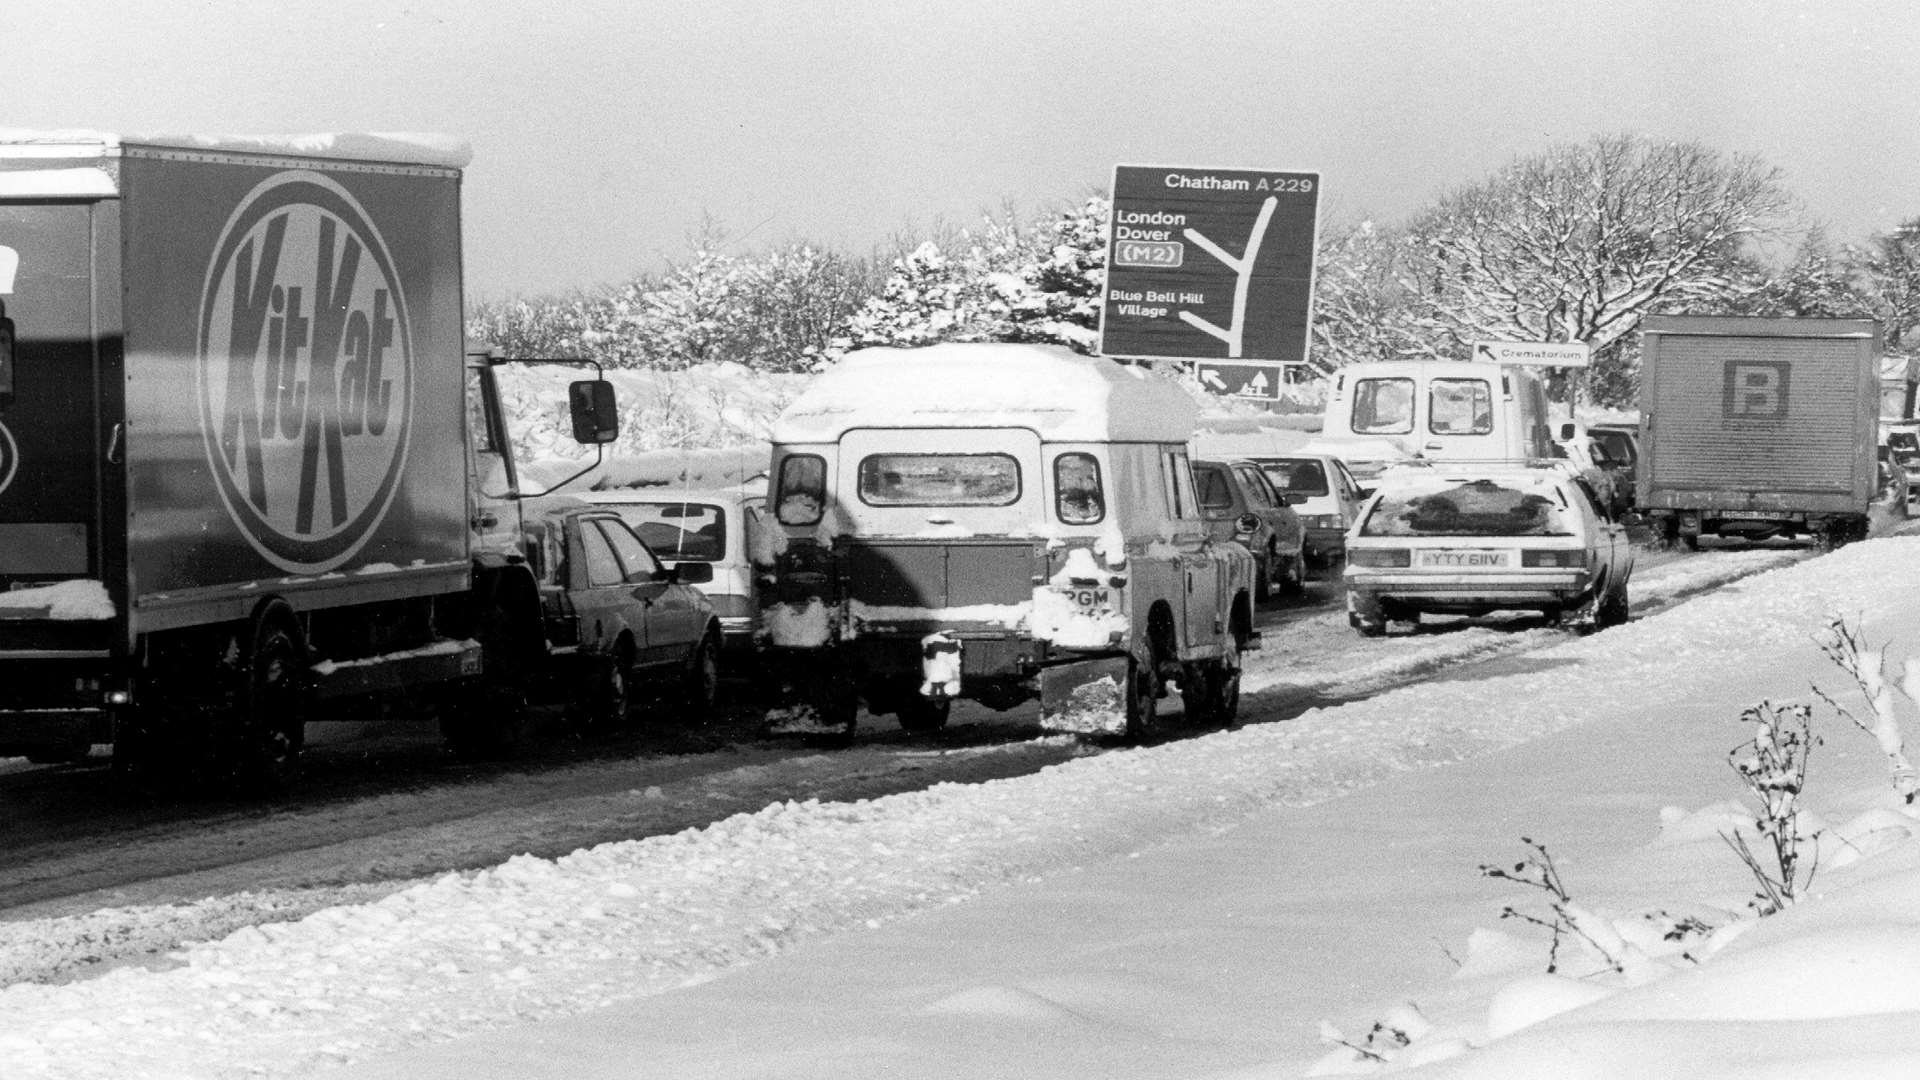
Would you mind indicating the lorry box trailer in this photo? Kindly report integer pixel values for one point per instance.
(1758, 428)
(239, 443)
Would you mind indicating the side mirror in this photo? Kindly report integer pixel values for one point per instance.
(691, 573)
(1247, 523)
(1568, 431)
(596, 414)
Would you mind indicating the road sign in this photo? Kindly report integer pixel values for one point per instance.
(1252, 379)
(1536, 353)
(1209, 264)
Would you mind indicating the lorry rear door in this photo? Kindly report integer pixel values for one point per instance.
(50, 426)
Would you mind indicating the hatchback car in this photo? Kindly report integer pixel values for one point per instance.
(1470, 543)
(1325, 495)
(1238, 502)
(619, 622)
(715, 528)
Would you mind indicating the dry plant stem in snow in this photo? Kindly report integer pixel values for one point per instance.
(1773, 765)
(1537, 871)
(1865, 663)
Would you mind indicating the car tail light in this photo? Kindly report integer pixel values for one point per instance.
(1562, 557)
(1389, 557)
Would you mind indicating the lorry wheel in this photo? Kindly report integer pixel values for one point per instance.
(268, 720)
(923, 715)
(701, 687)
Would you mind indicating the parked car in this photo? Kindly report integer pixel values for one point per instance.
(1610, 488)
(1473, 542)
(1900, 444)
(1896, 484)
(717, 528)
(1324, 493)
(620, 623)
(1238, 502)
(1621, 441)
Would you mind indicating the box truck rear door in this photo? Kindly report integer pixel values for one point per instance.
(50, 438)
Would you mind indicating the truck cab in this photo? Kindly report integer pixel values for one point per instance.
(996, 522)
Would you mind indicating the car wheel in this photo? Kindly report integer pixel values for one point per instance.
(702, 686)
(1614, 608)
(1365, 616)
(922, 715)
(1223, 691)
(606, 700)
(1143, 699)
(1294, 580)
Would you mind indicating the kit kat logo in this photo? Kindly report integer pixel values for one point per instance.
(305, 372)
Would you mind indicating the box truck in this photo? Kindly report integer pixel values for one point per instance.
(246, 461)
(1758, 427)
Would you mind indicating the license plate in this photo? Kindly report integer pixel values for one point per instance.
(1443, 559)
(1090, 599)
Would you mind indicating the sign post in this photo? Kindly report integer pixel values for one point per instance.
(1535, 353)
(1211, 265)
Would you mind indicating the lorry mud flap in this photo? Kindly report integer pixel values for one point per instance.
(1087, 697)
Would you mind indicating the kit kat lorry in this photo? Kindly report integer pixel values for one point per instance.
(246, 462)
(1756, 428)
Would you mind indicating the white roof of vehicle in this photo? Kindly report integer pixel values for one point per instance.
(406, 148)
(1051, 389)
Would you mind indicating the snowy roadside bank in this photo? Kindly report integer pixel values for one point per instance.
(537, 938)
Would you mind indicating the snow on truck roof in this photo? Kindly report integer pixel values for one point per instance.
(1057, 392)
(407, 148)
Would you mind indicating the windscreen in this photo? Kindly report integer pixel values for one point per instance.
(1476, 508)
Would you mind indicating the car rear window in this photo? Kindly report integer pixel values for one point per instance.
(1302, 477)
(680, 531)
(1476, 508)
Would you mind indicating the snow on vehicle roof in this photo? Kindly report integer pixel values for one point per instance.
(1057, 392)
(411, 148)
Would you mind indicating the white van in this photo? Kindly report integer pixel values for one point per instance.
(1387, 412)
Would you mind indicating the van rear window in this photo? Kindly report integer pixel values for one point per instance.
(1460, 407)
(939, 480)
(1478, 508)
(1383, 406)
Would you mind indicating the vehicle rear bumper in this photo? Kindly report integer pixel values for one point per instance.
(1534, 589)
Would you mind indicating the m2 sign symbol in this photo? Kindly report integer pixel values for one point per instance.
(305, 372)
(1755, 389)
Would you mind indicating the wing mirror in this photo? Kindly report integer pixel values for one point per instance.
(690, 573)
(596, 415)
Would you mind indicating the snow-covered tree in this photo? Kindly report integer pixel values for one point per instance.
(1578, 242)
(1890, 266)
(1360, 307)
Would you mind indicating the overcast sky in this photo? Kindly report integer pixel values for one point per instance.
(605, 130)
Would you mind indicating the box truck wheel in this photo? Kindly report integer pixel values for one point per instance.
(266, 722)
